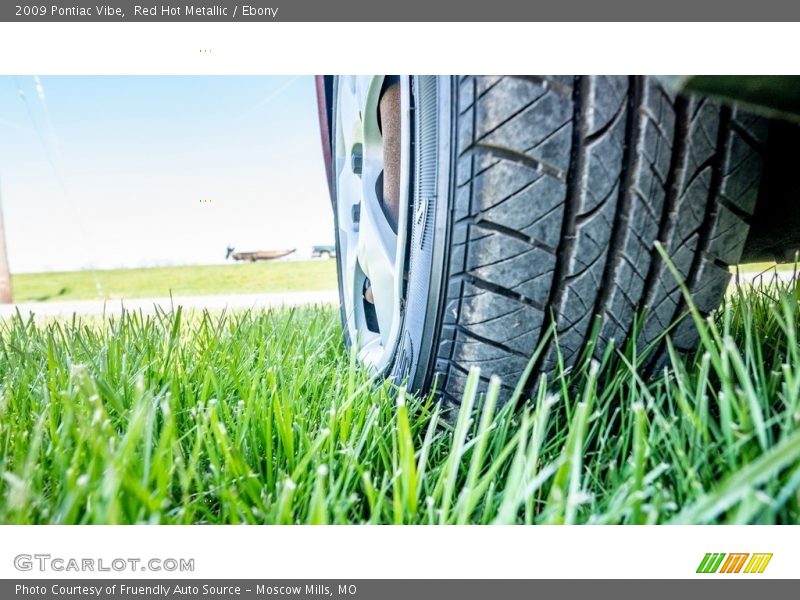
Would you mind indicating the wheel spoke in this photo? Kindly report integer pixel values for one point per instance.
(349, 121)
(377, 250)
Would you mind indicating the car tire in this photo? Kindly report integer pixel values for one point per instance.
(535, 206)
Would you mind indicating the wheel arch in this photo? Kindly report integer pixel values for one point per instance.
(324, 89)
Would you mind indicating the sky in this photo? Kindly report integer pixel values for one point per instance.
(105, 172)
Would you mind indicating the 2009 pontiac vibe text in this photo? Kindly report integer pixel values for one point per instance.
(42, 10)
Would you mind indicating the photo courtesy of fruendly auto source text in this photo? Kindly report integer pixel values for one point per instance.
(519, 316)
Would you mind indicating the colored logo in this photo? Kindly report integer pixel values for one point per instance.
(737, 562)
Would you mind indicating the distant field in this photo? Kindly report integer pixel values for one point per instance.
(767, 266)
(248, 278)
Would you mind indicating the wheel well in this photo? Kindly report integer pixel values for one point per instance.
(775, 225)
(324, 88)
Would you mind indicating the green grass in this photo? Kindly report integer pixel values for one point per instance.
(284, 276)
(263, 418)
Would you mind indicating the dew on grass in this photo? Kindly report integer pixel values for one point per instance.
(18, 492)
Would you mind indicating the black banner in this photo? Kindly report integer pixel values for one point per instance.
(409, 10)
(731, 588)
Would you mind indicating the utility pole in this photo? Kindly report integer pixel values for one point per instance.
(6, 294)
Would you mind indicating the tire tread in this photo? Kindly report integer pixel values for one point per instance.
(563, 185)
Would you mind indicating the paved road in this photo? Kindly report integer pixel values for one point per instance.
(149, 305)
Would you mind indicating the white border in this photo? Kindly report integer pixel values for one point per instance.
(423, 48)
(428, 552)
(306, 48)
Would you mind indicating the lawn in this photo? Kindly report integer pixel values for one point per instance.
(240, 278)
(766, 267)
(282, 276)
(262, 417)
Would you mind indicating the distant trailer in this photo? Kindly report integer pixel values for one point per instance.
(323, 252)
(257, 254)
